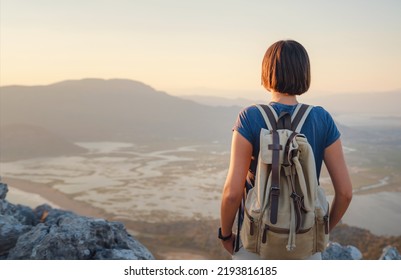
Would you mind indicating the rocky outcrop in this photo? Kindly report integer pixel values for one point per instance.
(48, 233)
(336, 251)
(390, 253)
(370, 245)
(45, 233)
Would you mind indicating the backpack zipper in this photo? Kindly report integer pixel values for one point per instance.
(326, 224)
(252, 224)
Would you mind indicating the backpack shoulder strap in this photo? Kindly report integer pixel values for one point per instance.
(299, 116)
(297, 120)
(269, 115)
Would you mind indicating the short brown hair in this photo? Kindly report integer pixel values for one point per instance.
(286, 68)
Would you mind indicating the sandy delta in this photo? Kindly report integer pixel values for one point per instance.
(129, 182)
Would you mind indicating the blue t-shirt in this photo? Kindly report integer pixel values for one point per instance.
(319, 128)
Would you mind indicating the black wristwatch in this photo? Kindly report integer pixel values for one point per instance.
(224, 238)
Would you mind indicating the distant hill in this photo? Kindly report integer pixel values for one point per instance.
(223, 101)
(374, 103)
(113, 110)
(27, 141)
(57, 115)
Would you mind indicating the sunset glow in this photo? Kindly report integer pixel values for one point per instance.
(179, 46)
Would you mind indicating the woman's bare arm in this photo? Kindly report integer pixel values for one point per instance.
(336, 166)
(241, 153)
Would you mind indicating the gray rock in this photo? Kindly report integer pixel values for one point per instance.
(390, 253)
(10, 230)
(15, 220)
(114, 254)
(50, 234)
(3, 191)
(73, 237)
(48, 215)
(21, 213)
(336, 251)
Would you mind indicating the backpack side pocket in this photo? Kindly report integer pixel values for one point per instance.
(250, 231)
(322, 228)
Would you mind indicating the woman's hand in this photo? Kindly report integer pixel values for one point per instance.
(229, 244)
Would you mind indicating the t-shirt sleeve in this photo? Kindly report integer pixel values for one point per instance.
(333, 134)
(243, 126)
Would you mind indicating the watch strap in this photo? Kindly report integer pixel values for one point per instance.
(224, 238)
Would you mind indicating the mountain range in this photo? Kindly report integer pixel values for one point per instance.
(372, 103)
(48, 120)
(106, 110)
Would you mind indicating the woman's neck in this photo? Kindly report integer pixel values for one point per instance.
(284, 98)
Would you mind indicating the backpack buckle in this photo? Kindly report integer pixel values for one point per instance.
(275, 191)
(295, 196)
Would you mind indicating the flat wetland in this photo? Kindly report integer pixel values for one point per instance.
(168, 196)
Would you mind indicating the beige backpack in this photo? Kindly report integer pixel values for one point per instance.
(286, 212)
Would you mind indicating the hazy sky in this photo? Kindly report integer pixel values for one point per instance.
(183, 46)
